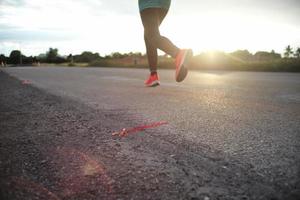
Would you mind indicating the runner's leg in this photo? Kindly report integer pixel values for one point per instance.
(152, 18)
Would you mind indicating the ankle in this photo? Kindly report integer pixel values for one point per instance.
(177, 53)
(153, 73)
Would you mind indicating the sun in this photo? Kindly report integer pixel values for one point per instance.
(222, 31)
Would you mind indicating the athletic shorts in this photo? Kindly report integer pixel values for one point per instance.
(144, 4)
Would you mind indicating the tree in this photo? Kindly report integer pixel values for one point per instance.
(87, 56)
(52, 55)
(2, 59)
(288, 51)
(266, 56)
(15, 57)
(70, 58)
(244, 55)
(275, 55)
(297, 53)
(41, 57)
(117, 55)
(28, 60)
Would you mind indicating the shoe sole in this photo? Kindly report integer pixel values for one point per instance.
(183, 71)
(154, 84)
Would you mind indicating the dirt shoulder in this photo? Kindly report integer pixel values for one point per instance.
(55, 148)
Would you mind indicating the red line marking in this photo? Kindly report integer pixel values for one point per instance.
(125, 132)
(25, 82)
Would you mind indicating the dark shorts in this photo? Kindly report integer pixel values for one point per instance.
(144, 4)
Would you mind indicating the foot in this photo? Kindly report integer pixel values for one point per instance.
(152, 81)
(182, 61)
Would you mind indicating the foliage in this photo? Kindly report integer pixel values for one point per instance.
(212, 60)
(244, 61)
(266, 56)
(15, 57)
(3, 59)
(242, 55)
(288, 52)
(52, 56)
(297, 53)
(86, 56)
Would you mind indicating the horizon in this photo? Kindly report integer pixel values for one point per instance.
(93, 25)
(213, 52)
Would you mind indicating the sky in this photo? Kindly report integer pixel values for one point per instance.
(106, 26)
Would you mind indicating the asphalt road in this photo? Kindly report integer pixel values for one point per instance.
(230, 135)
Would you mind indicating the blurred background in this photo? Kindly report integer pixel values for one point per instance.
(231, 34)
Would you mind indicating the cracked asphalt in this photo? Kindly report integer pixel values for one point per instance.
(230, 135)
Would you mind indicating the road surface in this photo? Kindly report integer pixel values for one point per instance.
(230, 135)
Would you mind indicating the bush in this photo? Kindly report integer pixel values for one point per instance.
(100, 63)
(71, 65)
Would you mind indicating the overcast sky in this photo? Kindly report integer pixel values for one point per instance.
(107, 26)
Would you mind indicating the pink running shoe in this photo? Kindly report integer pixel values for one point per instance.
(181, 61)
(152, 81)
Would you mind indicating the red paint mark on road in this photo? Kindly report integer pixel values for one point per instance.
(124, 132)
(25, 82)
